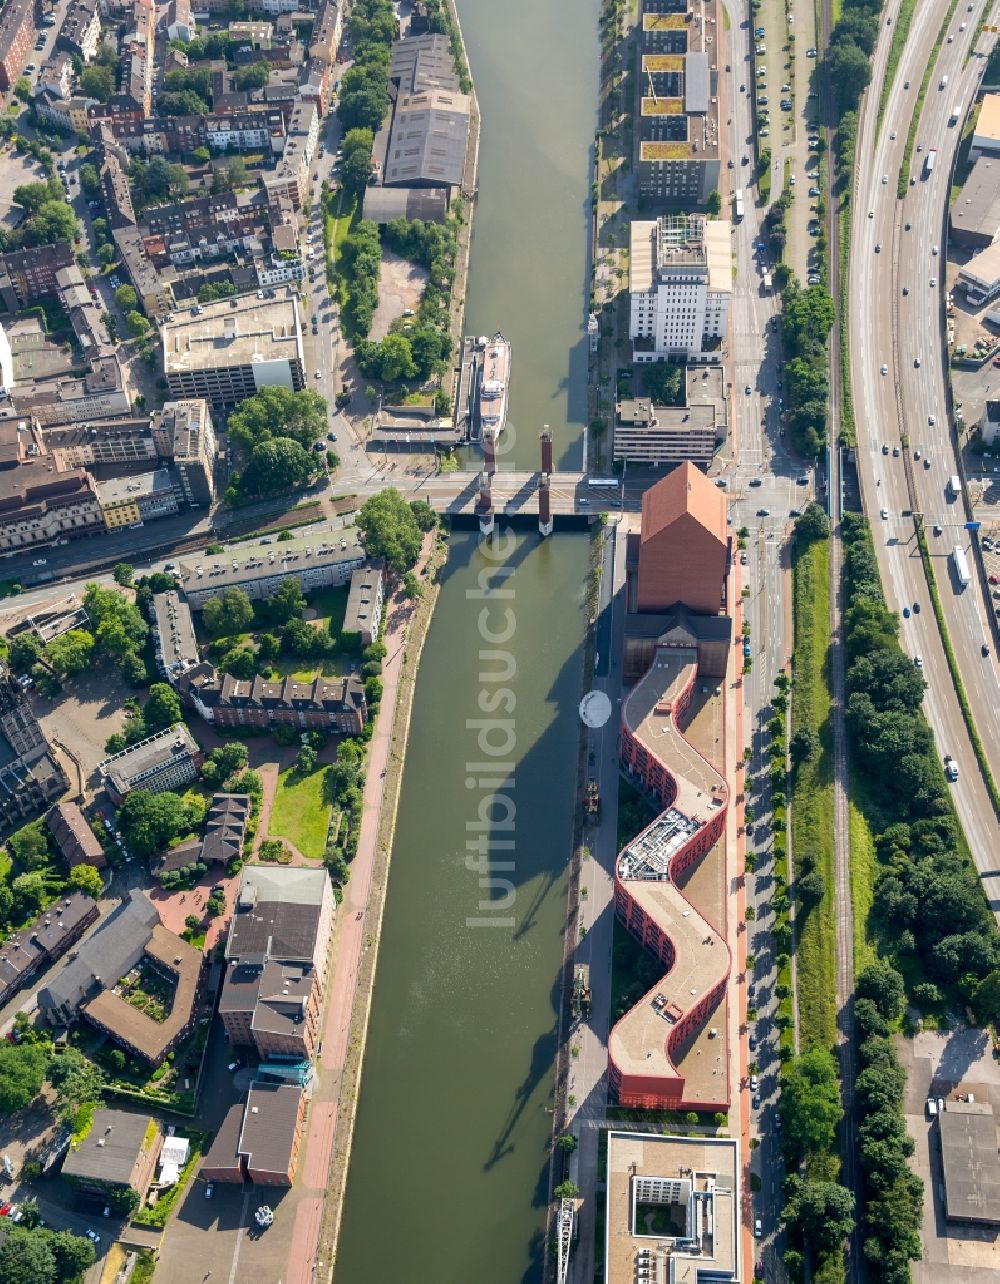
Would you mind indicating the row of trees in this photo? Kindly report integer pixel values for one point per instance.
(364, 89)
(852, 44)
(927, 893)
(360, 263)
(806, 319)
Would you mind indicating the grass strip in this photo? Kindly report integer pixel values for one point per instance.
(895, 53)
(301, 811)
(812, 793)
(902, 183)
(864, 866)
(956, 677)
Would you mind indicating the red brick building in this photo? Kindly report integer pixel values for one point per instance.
(17, 33)
(683, 545)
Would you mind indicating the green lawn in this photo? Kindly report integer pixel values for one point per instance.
(864, 866)
(812, 794)
(300, 812)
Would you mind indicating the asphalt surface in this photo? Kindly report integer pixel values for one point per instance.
(892, 330)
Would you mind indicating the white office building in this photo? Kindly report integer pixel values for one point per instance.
(680, 281)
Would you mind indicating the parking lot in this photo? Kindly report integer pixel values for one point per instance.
(15, 170)
(948, 1065)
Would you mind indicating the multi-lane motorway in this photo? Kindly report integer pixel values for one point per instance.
(896, 246)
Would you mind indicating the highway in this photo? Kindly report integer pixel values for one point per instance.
(889, 330)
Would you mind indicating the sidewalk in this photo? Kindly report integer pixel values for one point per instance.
(354, 935)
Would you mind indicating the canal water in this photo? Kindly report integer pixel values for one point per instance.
(449, 1168)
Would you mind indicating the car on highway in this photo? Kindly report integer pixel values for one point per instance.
(933, 282)
(758, 1230)
(934, 250)
(906, 291)
(916, 608)
(878, 247)
(810, 52)
(918, 660)
(885, 179)
(885, 368)
(892, 135)
(885, 514)
(885, 449)
(895, 452)
(984, 649)
(747, 390)
(937, 529)
(906, 612)
(950, 767)
(814, 190)
(756, 481)
(763, 512)
(931, 420)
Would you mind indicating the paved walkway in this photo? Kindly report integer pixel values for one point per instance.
(353, 936)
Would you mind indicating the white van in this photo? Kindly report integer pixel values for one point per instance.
(944, 83)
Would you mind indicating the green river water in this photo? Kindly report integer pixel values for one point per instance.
(449, 1169)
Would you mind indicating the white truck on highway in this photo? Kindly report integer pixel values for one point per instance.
(929, 160)
(961, 567)
(956, 113)
(954, 487)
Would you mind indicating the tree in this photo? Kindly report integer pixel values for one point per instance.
(425, 515)
(29, 892)
(123, 572)
(22, 88)
(881, 983)
(70, 653)
(97, 82)
(240, 661)
(813, 524)
(117, 623)
(567, 1143)
(286, 603)
(224, 762)
(22, 1071)
(137, 324)
(26, 1258)
(123, 1200)
(30, 845)
(810, 1101)
(106, 255)
(278, 412)
(850, 72)
(90, 182)
(228, 613)
(391, 530)
(356, 166)
(73, 1254)
(713, 206)
(986, 1000)
(823, 1211)
(567, 1190)
(396, 359)
(85, 878)
(663, 382)
(25, 650)
(126, 298)
(305, 761)
(412, 588)
(149, 822)
(252, 76)
(278, 465)
(811, 888)
(163, 708)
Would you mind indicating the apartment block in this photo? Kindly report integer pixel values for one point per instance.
(168, 760)
(137, 498)
(23, 954)
(259, 1142)
(680, 283)
(317, 559)
(364, 603)
(30, 777)
(17, 33)
(39, 505)
(80, 32)
(30, 274)
(183, 432)
(660, 436)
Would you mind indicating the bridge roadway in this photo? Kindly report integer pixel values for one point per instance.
(516, 493)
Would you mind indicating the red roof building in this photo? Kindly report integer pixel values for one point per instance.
(683, 545)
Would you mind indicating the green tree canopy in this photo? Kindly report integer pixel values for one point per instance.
(163, 708)
(278, 412)
(30, 845)
(810, 1100)
(149, 822)
(70, 653)
(73, 1254)
(97, 82)
(227, 612)
(22, 1071)
(357, 163)
(85, 878)
(881, 983)
(391, 530)
(278, 465)
(824, 1211)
